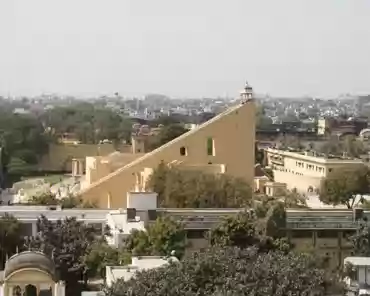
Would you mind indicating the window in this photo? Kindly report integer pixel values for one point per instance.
(183, 151)
(196, 233)
(25, 229)
(327, 234)
(210, 147)
(302, 234)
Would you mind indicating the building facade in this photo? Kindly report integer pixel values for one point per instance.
(306, 171)
(227, 139)
(324, 232)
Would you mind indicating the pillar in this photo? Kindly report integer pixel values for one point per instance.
(138, 182)
(59, 289)
(109, 201)
(74, 167)
(77, 167)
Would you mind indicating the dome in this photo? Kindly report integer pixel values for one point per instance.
(30, 259)
(364, 132)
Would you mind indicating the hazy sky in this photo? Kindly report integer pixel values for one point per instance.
(185, 48)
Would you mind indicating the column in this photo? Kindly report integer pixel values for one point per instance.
(79, 167)
(74, 167)
(34, 229)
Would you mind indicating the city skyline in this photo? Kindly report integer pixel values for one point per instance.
(184, 49)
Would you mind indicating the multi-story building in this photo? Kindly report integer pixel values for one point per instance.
(306, 171)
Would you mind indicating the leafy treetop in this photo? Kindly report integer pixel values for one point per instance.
(66, 241)
(161, 238)
(231, 271)
(10, 238)
(344, 188)
(194, 189)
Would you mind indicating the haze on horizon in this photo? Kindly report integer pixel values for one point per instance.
(184, 48)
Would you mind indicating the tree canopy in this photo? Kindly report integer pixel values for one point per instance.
(231, 271)
(166, 134)
(68, 202)
(160, 238)
(178, 188)
(346, 188)
(10, 238)
(100, 255)
(23, 140)
(89, 123)
(361, 240)
(67, 242)
(262, 229)
(349, 145)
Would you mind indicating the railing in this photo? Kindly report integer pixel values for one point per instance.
(321, 225)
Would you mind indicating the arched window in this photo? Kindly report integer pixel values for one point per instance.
(183, 151)
(30, 290)
(45, 291)
(17, 291)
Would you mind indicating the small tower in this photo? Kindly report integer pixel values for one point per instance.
(247, 93)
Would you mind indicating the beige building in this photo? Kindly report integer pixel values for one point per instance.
(305, 171)
(226, 141)
(324, 232)
(30, 274)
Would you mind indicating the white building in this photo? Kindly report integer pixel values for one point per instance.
(358, 281)
(113, 273)
(141, 211)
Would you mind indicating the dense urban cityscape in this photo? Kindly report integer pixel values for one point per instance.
(184, 148)
(137, 200)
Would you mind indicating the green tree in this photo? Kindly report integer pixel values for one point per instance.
(361, 240)
(166, 134)
(161, 238)
(345, 188)
(10, 238)
(293, 199)
(46, 199)
(178, 188)
(233, 272)
(75, 201)
(90, 123)
(67, 242)
(23, 142)
(349, 145)
(239, 231)
(247, 229)
(258, 154)
(290, 141)
(68, 202)
(262, 121)
(100, 255)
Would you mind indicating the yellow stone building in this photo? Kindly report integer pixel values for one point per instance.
(226, 141)
(306, 171)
